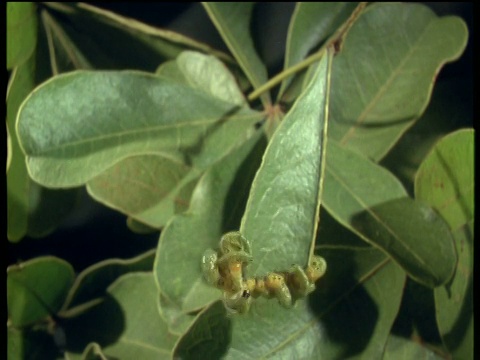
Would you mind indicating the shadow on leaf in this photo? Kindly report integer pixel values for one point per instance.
(343, 306)
(104, 324)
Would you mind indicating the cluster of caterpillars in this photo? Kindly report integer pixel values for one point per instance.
(225, 269)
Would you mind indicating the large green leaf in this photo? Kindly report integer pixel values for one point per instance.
(232, 21)
(357, 191)
(110, 41)
(21, 32)
(93, 281)
(353, 184)
(149, 188)
(454, 301)
(281, 217)
(280, 220)
(126, 325)
(37, 289)
(76, 125)
(153, 188)
(383, 77)
(310, 25)
(445, 178)
(216, 207)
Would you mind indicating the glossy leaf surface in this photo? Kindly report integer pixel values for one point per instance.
(281, 216)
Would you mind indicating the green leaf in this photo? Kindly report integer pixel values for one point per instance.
(209, 74)
(383, 77)
(353, 184)
(291, 171)
(149, 188)
(126, 325)
(310, 25)
(178, 321)
(36, 289)
(93, 281)
(208, 337)
(21, 32)
(111, 41)
(414, 236)
(232, 21)
(76, 125)
(216, 207)
(445, 178)
(152, 188)
(280, 220)
(399, 348)
(454, 301)
(170, 70)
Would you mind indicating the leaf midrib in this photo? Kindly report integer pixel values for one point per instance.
(384, 88)
(135, 132)
(376, 217)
